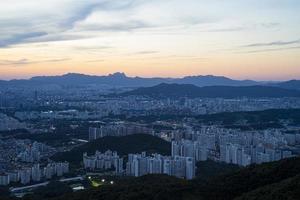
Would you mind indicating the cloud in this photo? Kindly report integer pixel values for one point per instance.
(145, 52)
(56, 60)
(87, 48)
(20, 38)
(229, 29)
(270, 24)
(46, 21)
(49, 21)
(270, 50)
(93, 61)
(88, 7)
(15, 62)
(116, 27)
(244, 27)
(25, 61)
(276, 43)
(64, 20)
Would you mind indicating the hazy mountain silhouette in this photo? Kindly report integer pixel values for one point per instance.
(121, 80)
(292, 84)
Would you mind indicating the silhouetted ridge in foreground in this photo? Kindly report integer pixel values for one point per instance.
(277, 181)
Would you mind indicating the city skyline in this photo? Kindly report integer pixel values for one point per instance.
(237, 39)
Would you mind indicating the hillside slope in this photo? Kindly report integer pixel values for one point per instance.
(276, 180)
(192, 91)
(227, 187)
(286, 189)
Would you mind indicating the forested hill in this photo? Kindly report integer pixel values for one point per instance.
(192, 91)
(123, 145)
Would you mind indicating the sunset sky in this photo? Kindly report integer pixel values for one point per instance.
(241, 39)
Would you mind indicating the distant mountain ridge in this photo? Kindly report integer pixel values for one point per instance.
(292, 84)
(188, 90)
(210, 80)
(119, 79)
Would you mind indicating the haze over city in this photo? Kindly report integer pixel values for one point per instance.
(249, 39)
